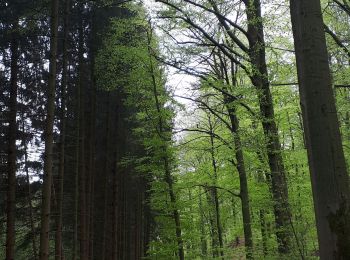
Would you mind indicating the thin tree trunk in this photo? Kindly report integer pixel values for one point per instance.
(202, 227)
(218, 222)
(214, 230)
(12, 149)
(263, 231)
(58, 235)
(176, 215)
(30, 206)
(91, 170)
(81, 162)
(168, 178)
(106, 187)
(240, 165)
(76, 171)
(244, 193)
(115, 201)
(48, 135)
(92, 139)
(76, 198)
(300, 242)
(329, 177)
(214, 192)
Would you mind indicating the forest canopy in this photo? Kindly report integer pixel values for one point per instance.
(174, 129)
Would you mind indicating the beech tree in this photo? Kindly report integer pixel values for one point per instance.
(254, 52)
(330, 181)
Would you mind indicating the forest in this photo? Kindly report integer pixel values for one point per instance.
(174, 129)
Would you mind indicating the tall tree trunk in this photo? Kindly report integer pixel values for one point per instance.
(329, 177)
(91, 169)
(244, 193)
(12, 150)
(240, 165)
(260, 80)
(106, 181)
(115, 193)
(61, 168)
(167, 171)
(76, 172)
(92, 139)
(81, 161)
(76, 194)
(48, 135)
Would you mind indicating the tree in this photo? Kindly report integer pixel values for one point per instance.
(330, 181)
(12, 153)
(254, 54)
(60, 181)
(48, 157)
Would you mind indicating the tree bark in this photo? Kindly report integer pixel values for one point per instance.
(48, 135)
(260, 80)
(106, 181)
(12, 150)
(115, 194)
(77, 124)
(91, 170)
(329, 177)
(81, 161)
(58, 235)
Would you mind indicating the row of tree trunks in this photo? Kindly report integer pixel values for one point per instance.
(120, 205)
(77, 182)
